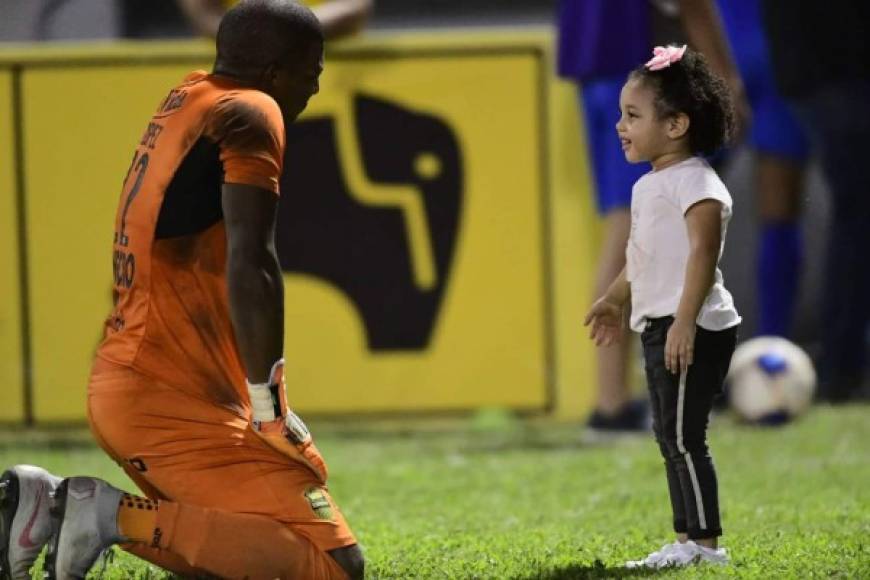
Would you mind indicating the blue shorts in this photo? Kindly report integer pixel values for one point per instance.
(774, 129)
(613, 175)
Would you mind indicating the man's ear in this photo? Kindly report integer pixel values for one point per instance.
(678, 125)
(270, 73)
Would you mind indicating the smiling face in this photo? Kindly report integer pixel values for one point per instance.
(643, 134)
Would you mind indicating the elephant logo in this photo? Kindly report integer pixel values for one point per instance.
(371, 202)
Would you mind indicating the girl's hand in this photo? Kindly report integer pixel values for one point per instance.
(680, 346)
(606, 319)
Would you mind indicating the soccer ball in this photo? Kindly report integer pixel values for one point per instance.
(771, 380)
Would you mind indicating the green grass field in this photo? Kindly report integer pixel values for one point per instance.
(466, 499)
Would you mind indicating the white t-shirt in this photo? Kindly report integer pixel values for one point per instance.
(658, 248)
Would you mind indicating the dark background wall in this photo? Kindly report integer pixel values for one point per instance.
(104, 19)
(77, 19)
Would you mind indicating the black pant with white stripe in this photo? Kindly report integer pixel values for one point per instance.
(681, 405)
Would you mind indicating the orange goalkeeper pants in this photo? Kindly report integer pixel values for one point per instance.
(230, 504)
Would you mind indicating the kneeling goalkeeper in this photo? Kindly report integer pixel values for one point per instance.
(186, 391)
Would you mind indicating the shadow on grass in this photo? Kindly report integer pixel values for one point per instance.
(593, 571)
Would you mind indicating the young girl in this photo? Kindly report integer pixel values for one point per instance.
(674, 109)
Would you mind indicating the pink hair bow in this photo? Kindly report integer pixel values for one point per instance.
(665, 56)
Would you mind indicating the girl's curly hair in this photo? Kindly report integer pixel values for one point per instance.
(689, 86)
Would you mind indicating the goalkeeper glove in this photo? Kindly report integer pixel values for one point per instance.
(280, 427)
(269, 400)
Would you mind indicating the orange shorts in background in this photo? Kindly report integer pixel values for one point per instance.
(188, 450)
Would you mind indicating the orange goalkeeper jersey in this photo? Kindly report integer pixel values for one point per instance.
(171, 317)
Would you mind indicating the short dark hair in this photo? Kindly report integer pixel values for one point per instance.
(254, 34)
(689, 86)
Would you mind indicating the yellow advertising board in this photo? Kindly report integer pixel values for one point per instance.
(415, 228)
(413, 249)
(11, 338)
(80, 124)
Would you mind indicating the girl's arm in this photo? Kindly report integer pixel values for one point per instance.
(619, 291)
(703, 222)
(606, 314)
(704, 225)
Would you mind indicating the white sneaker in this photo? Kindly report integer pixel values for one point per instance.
(84, 517)
(653, 558)
(670, 555)
(25, 523)
(713, 555)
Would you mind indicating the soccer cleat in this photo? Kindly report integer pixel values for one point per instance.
(84, 517)
(25, 524)
(669, 556)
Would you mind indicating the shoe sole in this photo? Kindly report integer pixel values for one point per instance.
(57, 511)
(9, 493)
